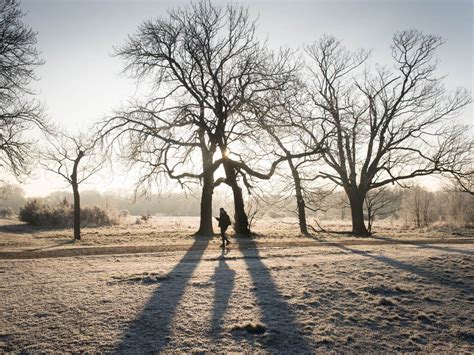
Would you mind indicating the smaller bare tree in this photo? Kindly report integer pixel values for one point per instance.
(254, 209)
(377, 203)
(416, 206)
(458, 206)
(73, 158)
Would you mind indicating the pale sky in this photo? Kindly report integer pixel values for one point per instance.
(81, 81)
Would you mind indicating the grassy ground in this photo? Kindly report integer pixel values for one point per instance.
(258, 295)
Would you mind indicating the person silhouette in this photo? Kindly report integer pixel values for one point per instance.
(224, 223)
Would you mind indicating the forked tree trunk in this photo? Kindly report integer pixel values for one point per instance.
(241, 219)
(357, 211)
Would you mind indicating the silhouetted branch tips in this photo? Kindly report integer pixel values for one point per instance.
(19, 113)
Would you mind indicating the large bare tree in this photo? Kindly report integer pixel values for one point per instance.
(18, 112)
(165, 143)
(391, 124)
(207, 67)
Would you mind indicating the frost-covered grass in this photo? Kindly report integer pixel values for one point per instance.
(250, 297)
(177, 233)
(275, 292)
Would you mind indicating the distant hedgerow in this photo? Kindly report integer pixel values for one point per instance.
(38, 214)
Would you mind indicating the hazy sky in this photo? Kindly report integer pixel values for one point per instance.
(81, 81)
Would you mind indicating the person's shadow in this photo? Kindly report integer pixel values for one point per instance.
(224, 278)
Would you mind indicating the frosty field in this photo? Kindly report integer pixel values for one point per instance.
(157, 288)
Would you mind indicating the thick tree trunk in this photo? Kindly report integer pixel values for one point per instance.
(77, 211)
(241, 219)
(205, 223)
(357, 212)
(300, 204)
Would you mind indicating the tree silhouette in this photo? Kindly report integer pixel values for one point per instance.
(391, 125)
(208, 71)
(18, 113)
(73, 159)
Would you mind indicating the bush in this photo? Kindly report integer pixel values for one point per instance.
(96, 216)
(61, 216)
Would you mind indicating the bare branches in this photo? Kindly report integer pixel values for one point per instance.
(403, 121)
(71, 157)
(18, 60)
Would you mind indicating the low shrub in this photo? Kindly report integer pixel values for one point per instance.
(61, 216)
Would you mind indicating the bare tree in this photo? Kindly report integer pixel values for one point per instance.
(18, 114)
(416, 206)
(73, 159)
(208, 68)
(289, 130)
(391, 125)
(165, 143)
(456, 206)
(254, 210)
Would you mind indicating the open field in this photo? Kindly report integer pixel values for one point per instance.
(277, 292)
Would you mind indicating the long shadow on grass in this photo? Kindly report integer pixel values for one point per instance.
(18, 228)
(224, 278)
(430, 246)
(448, 249)
(149, 332)
(430, 276)
(284, 334)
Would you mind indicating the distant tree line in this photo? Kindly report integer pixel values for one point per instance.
(408, 208)
(224, 109)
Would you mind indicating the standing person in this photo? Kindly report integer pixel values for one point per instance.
(224, 223)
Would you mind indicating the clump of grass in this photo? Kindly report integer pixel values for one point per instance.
(386, 302)
(250, 327)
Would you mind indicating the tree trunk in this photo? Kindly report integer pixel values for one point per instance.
(300, 204)
(357, 212)
(241, 219)
(205, 223)
(77, 199)
(77, 211)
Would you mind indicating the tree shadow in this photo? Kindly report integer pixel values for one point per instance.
(150, 331)
(424, 245)
(224, 278)
(61, 243)
(19, 228)
(430, 276)
(448, 249)
(283, 333)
